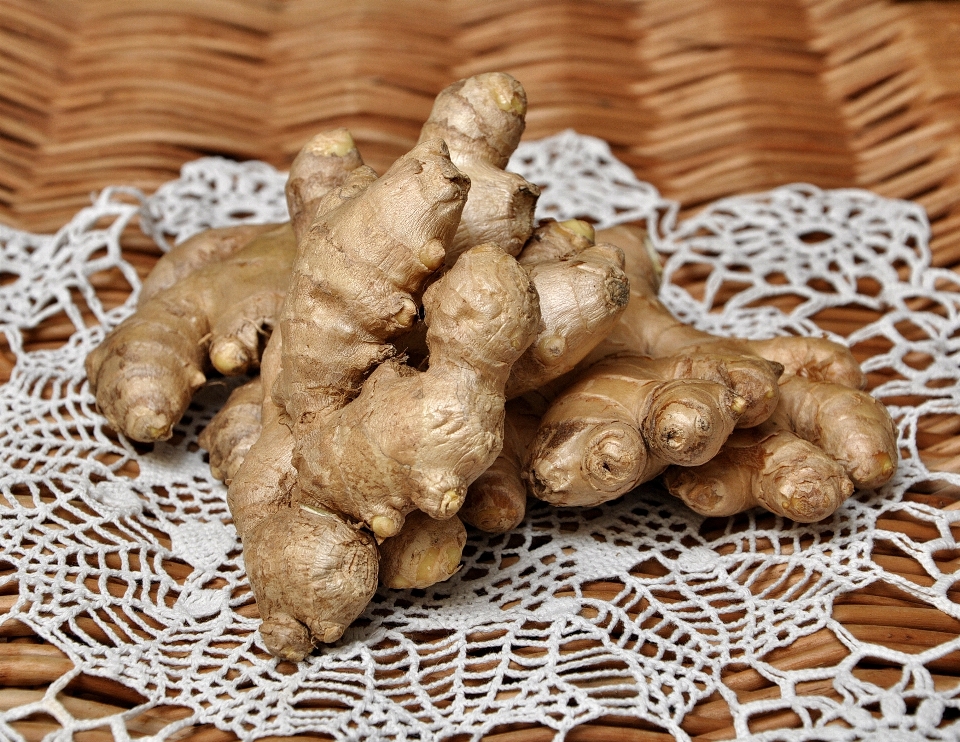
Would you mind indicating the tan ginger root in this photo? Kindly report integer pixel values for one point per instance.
(497, 500)
(623, 422)
(571, 457)
(210, 302)
(425, 552)
(233, 430)
(410, 440)
(481, 118)
(358, 267)
(202, 249)
(583, 292)
(823, 440)
(146, 371)
(424, 436)
(321, 166)
(357, 271)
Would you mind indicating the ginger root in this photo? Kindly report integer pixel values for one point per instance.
(481, 119)
(146, 371)
(402, 313)
(211, 302)
(601, 436)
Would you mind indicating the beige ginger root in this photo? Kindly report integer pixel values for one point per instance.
(358, 267)
(622, 423)
(362, 464)
(211, 302)
(425, 552)
(497, 500)
(583, 292)
(357, 271)
(481, 118)
(765, 466)
(233, 430)
(146, 371)
(822, 441)
(410, 440)
(422, 437)
(569, 457)
(205, 248)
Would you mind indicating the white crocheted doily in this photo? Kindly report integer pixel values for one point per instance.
(139, 578)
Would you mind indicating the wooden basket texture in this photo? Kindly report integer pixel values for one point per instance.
(703, 98)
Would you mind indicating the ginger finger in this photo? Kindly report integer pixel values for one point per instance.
(497, 500)
(425, 552)
(357, 270)
(764, 466)
(410, 440)
(328, 174)
(233, 430)
(582, 291)
(553, 240)
(318, 167)
(581, 299)
(329, 566)
(622, 423)
(849, 425)
(196, 252)
(822, 440)
(145, 372)
(481, 119)
(323, 163)
(816, 359)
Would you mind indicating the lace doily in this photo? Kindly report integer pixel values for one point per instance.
(139, 578)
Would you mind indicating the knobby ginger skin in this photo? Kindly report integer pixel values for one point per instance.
(818, 434)
(822, 441)
(357, 269)
(360, 465)
(416, 439)
(211, 301)
(583, 292)
(233, 430)
(849, 425)
(202, 249)
(481, 118)
(425, 552)
(410, 441)
(497, 500)
(146, 371)
(622, 423)
(321, 166)
(765, 466)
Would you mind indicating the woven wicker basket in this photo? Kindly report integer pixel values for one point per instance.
(703, 98)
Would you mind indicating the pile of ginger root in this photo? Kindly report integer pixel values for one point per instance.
(430, 356)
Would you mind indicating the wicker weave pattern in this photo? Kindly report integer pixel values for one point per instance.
(704, 98)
